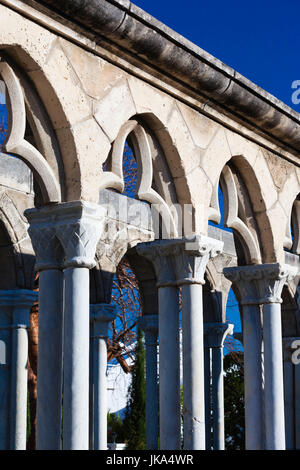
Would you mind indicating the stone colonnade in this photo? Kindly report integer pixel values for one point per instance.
(72, 380)
(260, 290)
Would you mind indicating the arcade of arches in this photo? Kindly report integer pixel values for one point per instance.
(77, 84)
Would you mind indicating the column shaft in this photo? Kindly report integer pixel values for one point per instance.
(76, 359)
(18, 408)
(253, 377)
(100, 393)
(218, 398)
(274, 396)
(193, 367)
(207, 375)
(169, 369)
(151, 391)
(49, 377)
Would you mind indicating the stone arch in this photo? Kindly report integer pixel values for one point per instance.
(19, 248)
(243, 170)
(15, 141)
(153, 151)
(64, 135)
(290, 204)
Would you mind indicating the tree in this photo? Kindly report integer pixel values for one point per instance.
(234, 401)
(135, 418)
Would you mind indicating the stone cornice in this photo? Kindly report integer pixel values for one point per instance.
(121, 23)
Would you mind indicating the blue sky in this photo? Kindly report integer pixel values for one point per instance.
(259, 39)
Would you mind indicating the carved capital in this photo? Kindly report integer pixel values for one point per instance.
(190, 257)
(149, 323)
(262, 283)
(46, 246)
(21, 300)
(159, 254)
(79, 226)
(181, 260)
(100, 316)
(215, 334)
(72, 227)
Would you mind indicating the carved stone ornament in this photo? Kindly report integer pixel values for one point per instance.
(181, 261)
(262, 283)
(75, 227)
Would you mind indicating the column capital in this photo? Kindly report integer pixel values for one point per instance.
(46, 246)
(181, 260)
(149, 323)
(21, 300)
(103, 313)
(261, 283)
(215, 334)
(71, 227)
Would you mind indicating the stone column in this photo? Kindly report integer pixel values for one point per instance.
(149, 324)
(101, 316)
(262, 285)
(207, 396)
(273, 278)
(49, 259)
(20, 302)
(215, 334)
(190, 258)
(169, 355)
(244, 278)
(78, 227)
(182, 263)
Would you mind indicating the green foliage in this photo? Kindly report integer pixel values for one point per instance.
(135, 419)
(115, 425)
(234, 401)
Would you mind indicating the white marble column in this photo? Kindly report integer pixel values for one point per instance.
(181, 263)
(20, 302)
(262, 285)
(244, 279)
(78, 228)
(49, 259)
(101, 316)
(273, 278)
(169, 353)
(214, 335)
(190, 258)
(149, 324)
(207, 396)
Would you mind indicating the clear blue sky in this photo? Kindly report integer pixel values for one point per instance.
(260, 39)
